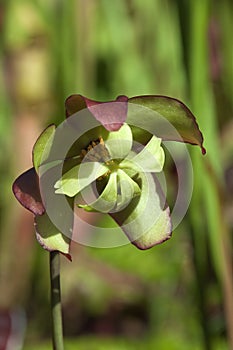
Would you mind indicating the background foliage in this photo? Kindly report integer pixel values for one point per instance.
(177, 295)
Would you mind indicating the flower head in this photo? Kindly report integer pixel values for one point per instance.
(104, 158)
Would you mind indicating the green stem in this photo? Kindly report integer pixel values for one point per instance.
(56, 301)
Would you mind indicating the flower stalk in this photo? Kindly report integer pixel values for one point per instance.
(57, 329)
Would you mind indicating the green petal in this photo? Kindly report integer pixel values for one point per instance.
(108, 198)
(146, 111)
(128, 189)
(129, 167)
(79, 177)
(43, 146)
(151, 158)
(119, 143)
(49, 236)
(145, 221)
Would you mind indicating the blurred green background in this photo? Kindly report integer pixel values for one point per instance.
(175, 296)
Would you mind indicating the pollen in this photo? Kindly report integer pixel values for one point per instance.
(96, 151)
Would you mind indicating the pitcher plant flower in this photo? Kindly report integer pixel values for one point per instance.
(105, 158)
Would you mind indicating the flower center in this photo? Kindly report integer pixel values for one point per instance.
(96, 151)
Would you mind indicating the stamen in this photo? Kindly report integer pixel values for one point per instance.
(99, 154)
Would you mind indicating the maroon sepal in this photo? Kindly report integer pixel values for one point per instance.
(111, 114)
(27, 192)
